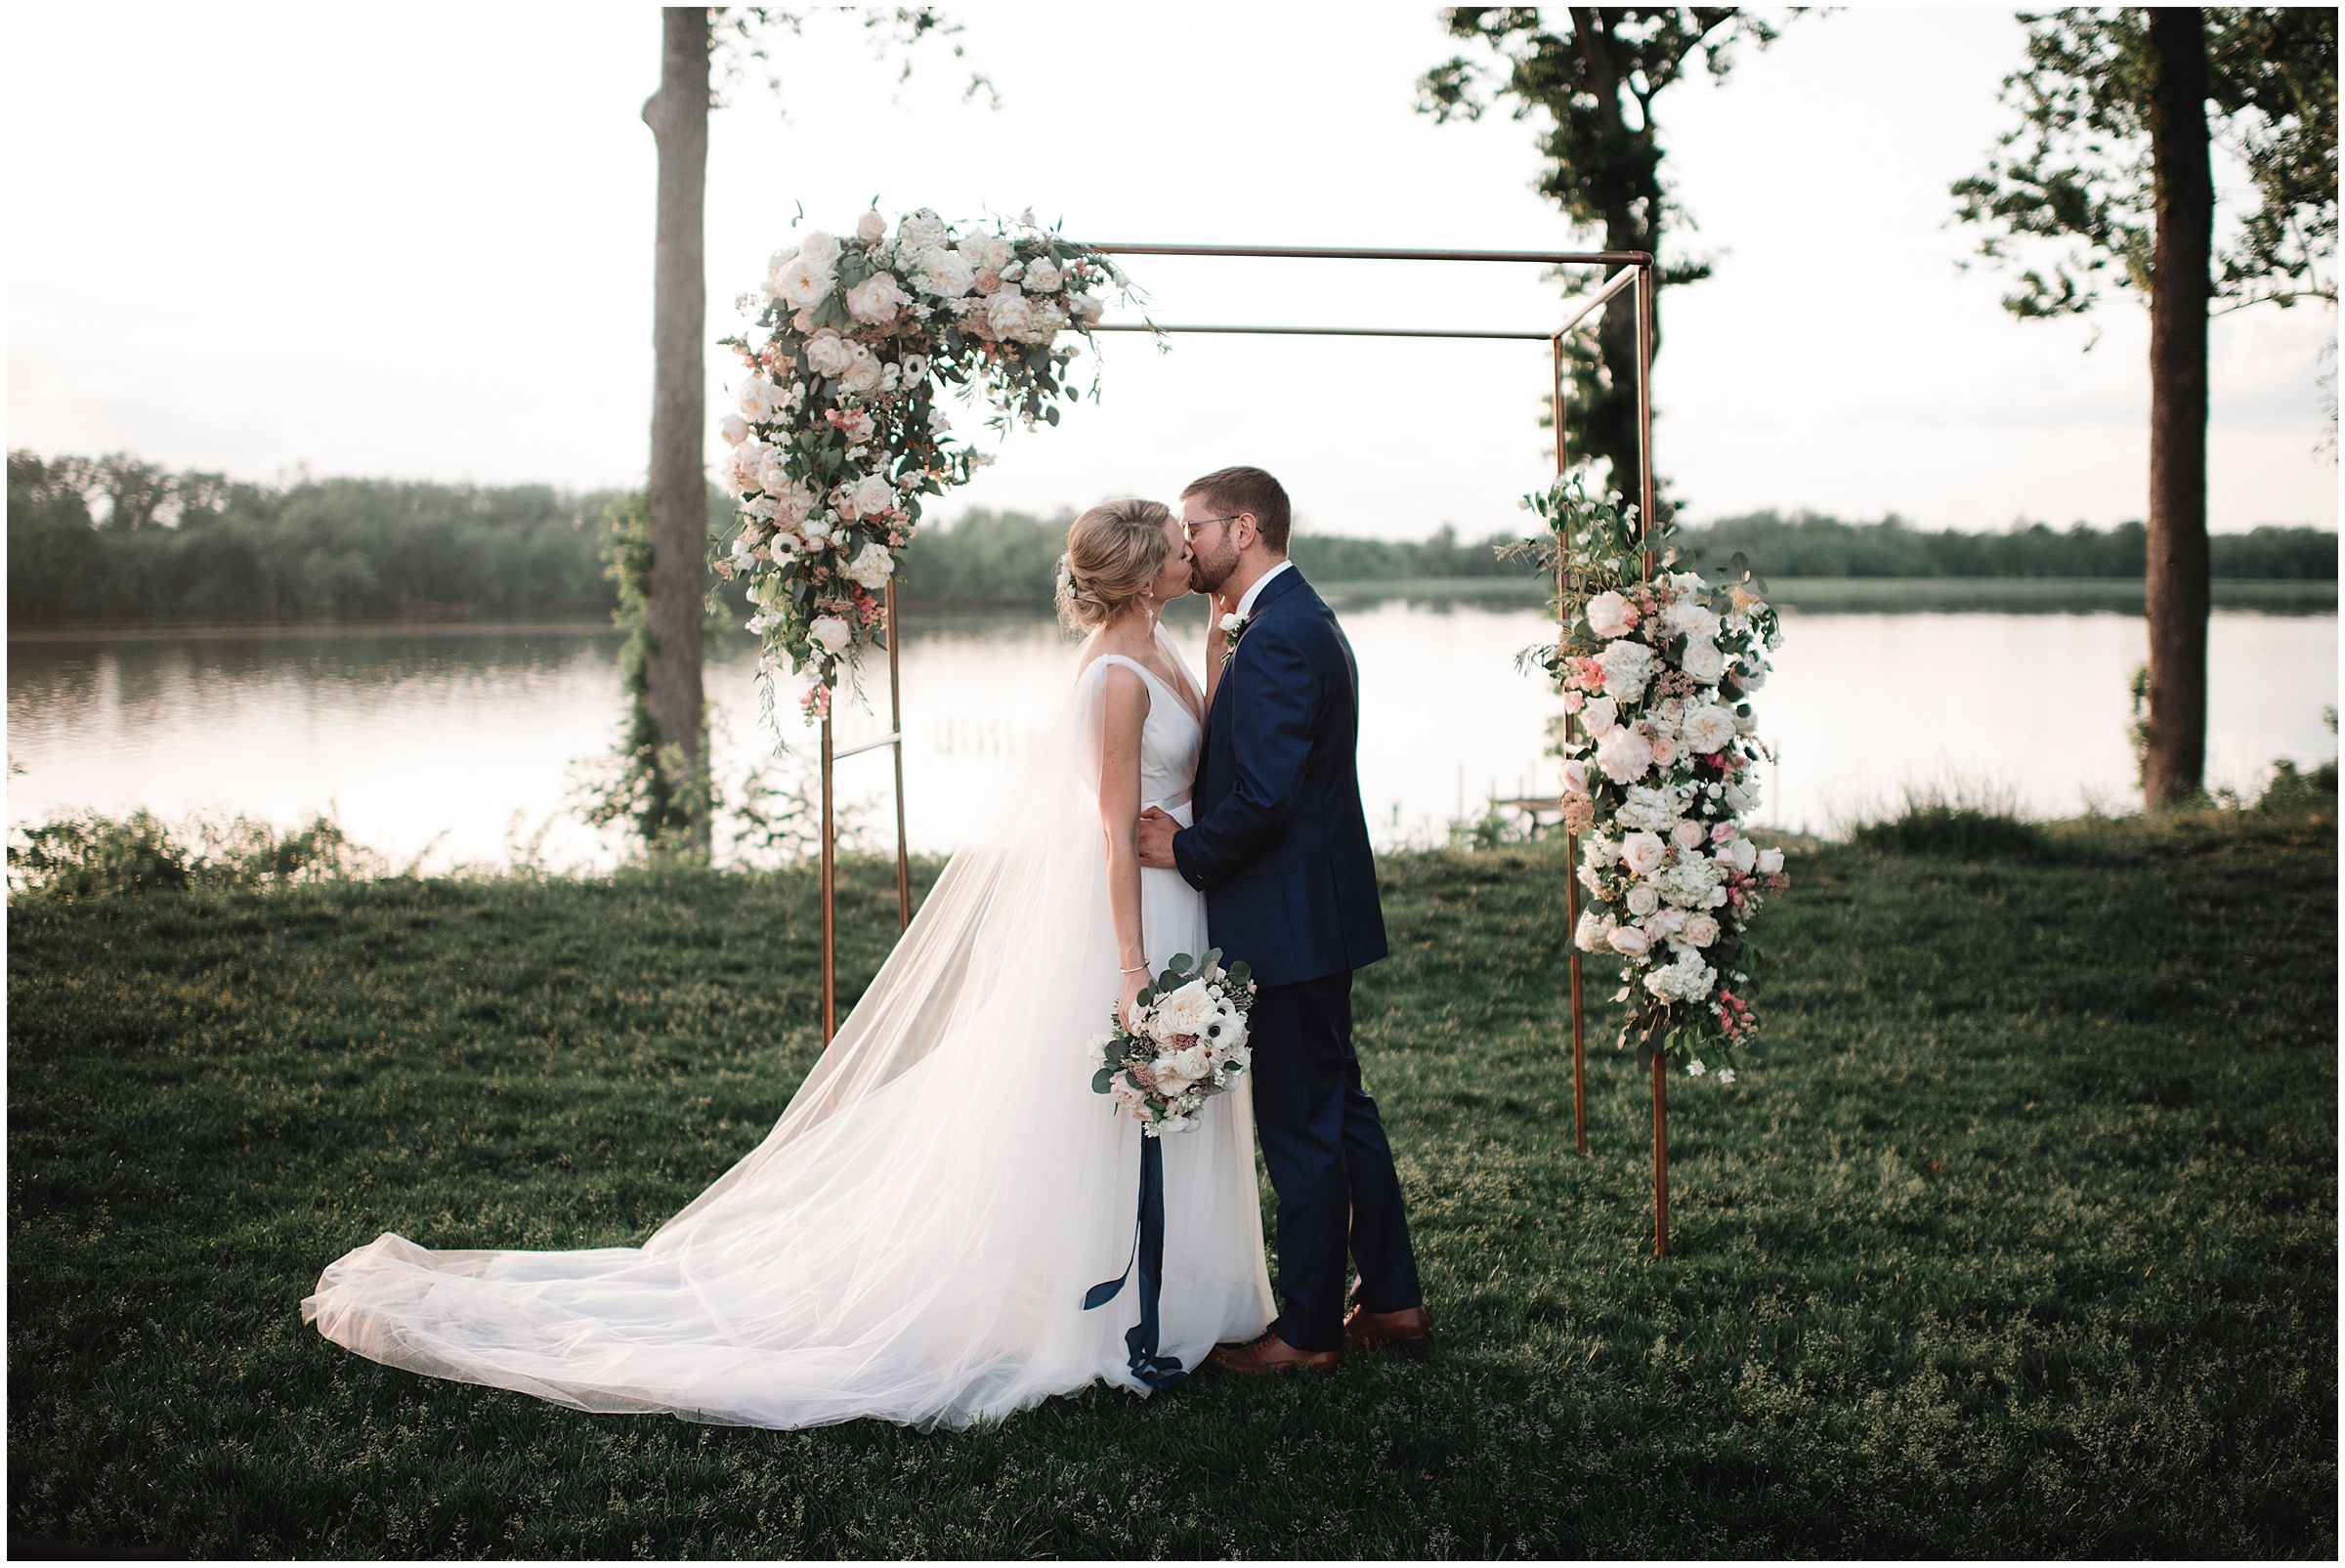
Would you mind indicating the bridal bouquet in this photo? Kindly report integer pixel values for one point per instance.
(839, 432)
(1659, 773)
(1186, 1044)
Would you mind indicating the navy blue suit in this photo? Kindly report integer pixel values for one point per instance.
(1280, 850)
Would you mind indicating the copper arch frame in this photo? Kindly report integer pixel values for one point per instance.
(1635, 267)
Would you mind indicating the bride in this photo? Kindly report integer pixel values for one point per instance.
(915, 1238)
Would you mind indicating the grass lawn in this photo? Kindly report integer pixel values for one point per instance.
(2023, 1242)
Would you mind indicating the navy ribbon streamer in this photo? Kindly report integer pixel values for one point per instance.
(1148, 1248)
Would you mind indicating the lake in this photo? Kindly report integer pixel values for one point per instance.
(455, 743)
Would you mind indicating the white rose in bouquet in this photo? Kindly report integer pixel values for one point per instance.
(865, 372)
(829, 354)
(1592, 933)
(1086, 309)
(1703, 662)
(1686, 835)
(1643, 853)
(831, 633)
(760, 400)
(872, 567)
(877, 299)
(1610, 615)
(1643, 899)
(773, 474)
(1575, 776)
(1690, 618)
(1770, 862)
(1744, 854)
(802, 282)
(921, 230)
(821, 248)
(1624, 754)
(1043, 276)
(1186, 1011)
(1007, 311)
(947, 275)
(1193, 1062)
(871, 226)
(1628, 665)
(739, 467)
(873, 494)
(1598, 716)
(1686, 583)
(1707, 728)
(1701, 930)
(986, 252)
(734, 429)
(792, 503)
(1629, 942)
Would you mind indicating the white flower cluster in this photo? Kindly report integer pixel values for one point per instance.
(839, 431)
(1186, 1044)
(1659, 771)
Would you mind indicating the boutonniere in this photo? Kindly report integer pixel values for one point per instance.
(1233, 627)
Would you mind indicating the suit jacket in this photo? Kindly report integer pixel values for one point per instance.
(1280, 846)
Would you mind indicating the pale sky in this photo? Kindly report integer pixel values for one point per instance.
(416, 240)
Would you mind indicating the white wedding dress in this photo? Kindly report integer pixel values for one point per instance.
(915, 1238)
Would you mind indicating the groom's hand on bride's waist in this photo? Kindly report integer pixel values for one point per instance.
(1156, 840)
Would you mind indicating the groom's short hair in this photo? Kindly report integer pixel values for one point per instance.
(1231, 490)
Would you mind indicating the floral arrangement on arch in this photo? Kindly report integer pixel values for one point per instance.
(841, 432)
(1659, 774)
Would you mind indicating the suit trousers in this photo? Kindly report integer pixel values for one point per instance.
(1324, 1146)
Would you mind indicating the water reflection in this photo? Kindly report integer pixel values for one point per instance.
(459, 740)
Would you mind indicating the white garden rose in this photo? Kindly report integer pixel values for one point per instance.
(1186, 1011)
(760, 400)
(1575, 776)
(1610, 615)
(733, 428)
(1629, 942)
(877, 299)
(1770, 862)
(1701, 930)
(1643, 853)
(1007, 311)
(1692, 618)
(921, 230)
(1598, 716)
(1628, 665)
(802, 282)
(1744, 853)
(773, 474)
(872, 567)
(792, 503)
(1703, 662)
(1687, 582)
(831, 633)
(1686, 835)
(871, 226)
(821, 248)
(947, 275)
(1624, 754)
(1707, 728)
(1084, 309)
(873, 494)
(1043, 276)
(829, 354)
(865, 372)
(1643, 899)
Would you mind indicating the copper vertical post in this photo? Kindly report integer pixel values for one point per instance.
(1571, 840)
(830, 899)
(1660, 1155)
(895, 725)
(1647, 523)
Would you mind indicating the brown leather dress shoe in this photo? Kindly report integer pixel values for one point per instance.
(1408, 1331)
(1268, 1353)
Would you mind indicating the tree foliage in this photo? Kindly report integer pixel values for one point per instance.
(2070, 186)
(1595, 80)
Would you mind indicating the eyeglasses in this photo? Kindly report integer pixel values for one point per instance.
(1189, 530)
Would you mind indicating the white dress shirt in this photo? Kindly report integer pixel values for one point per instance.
(1246, 605)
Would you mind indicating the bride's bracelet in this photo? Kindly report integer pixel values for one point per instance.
(1131, 968)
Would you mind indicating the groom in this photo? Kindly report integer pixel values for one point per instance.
(1280, 851)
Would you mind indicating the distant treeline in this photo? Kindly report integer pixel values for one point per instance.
(116, 538)
(1805, 545)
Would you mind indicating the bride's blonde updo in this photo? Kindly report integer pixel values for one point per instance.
(1113, 553)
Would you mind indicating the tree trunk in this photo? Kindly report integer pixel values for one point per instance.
(2174, 766)
(679, 115)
